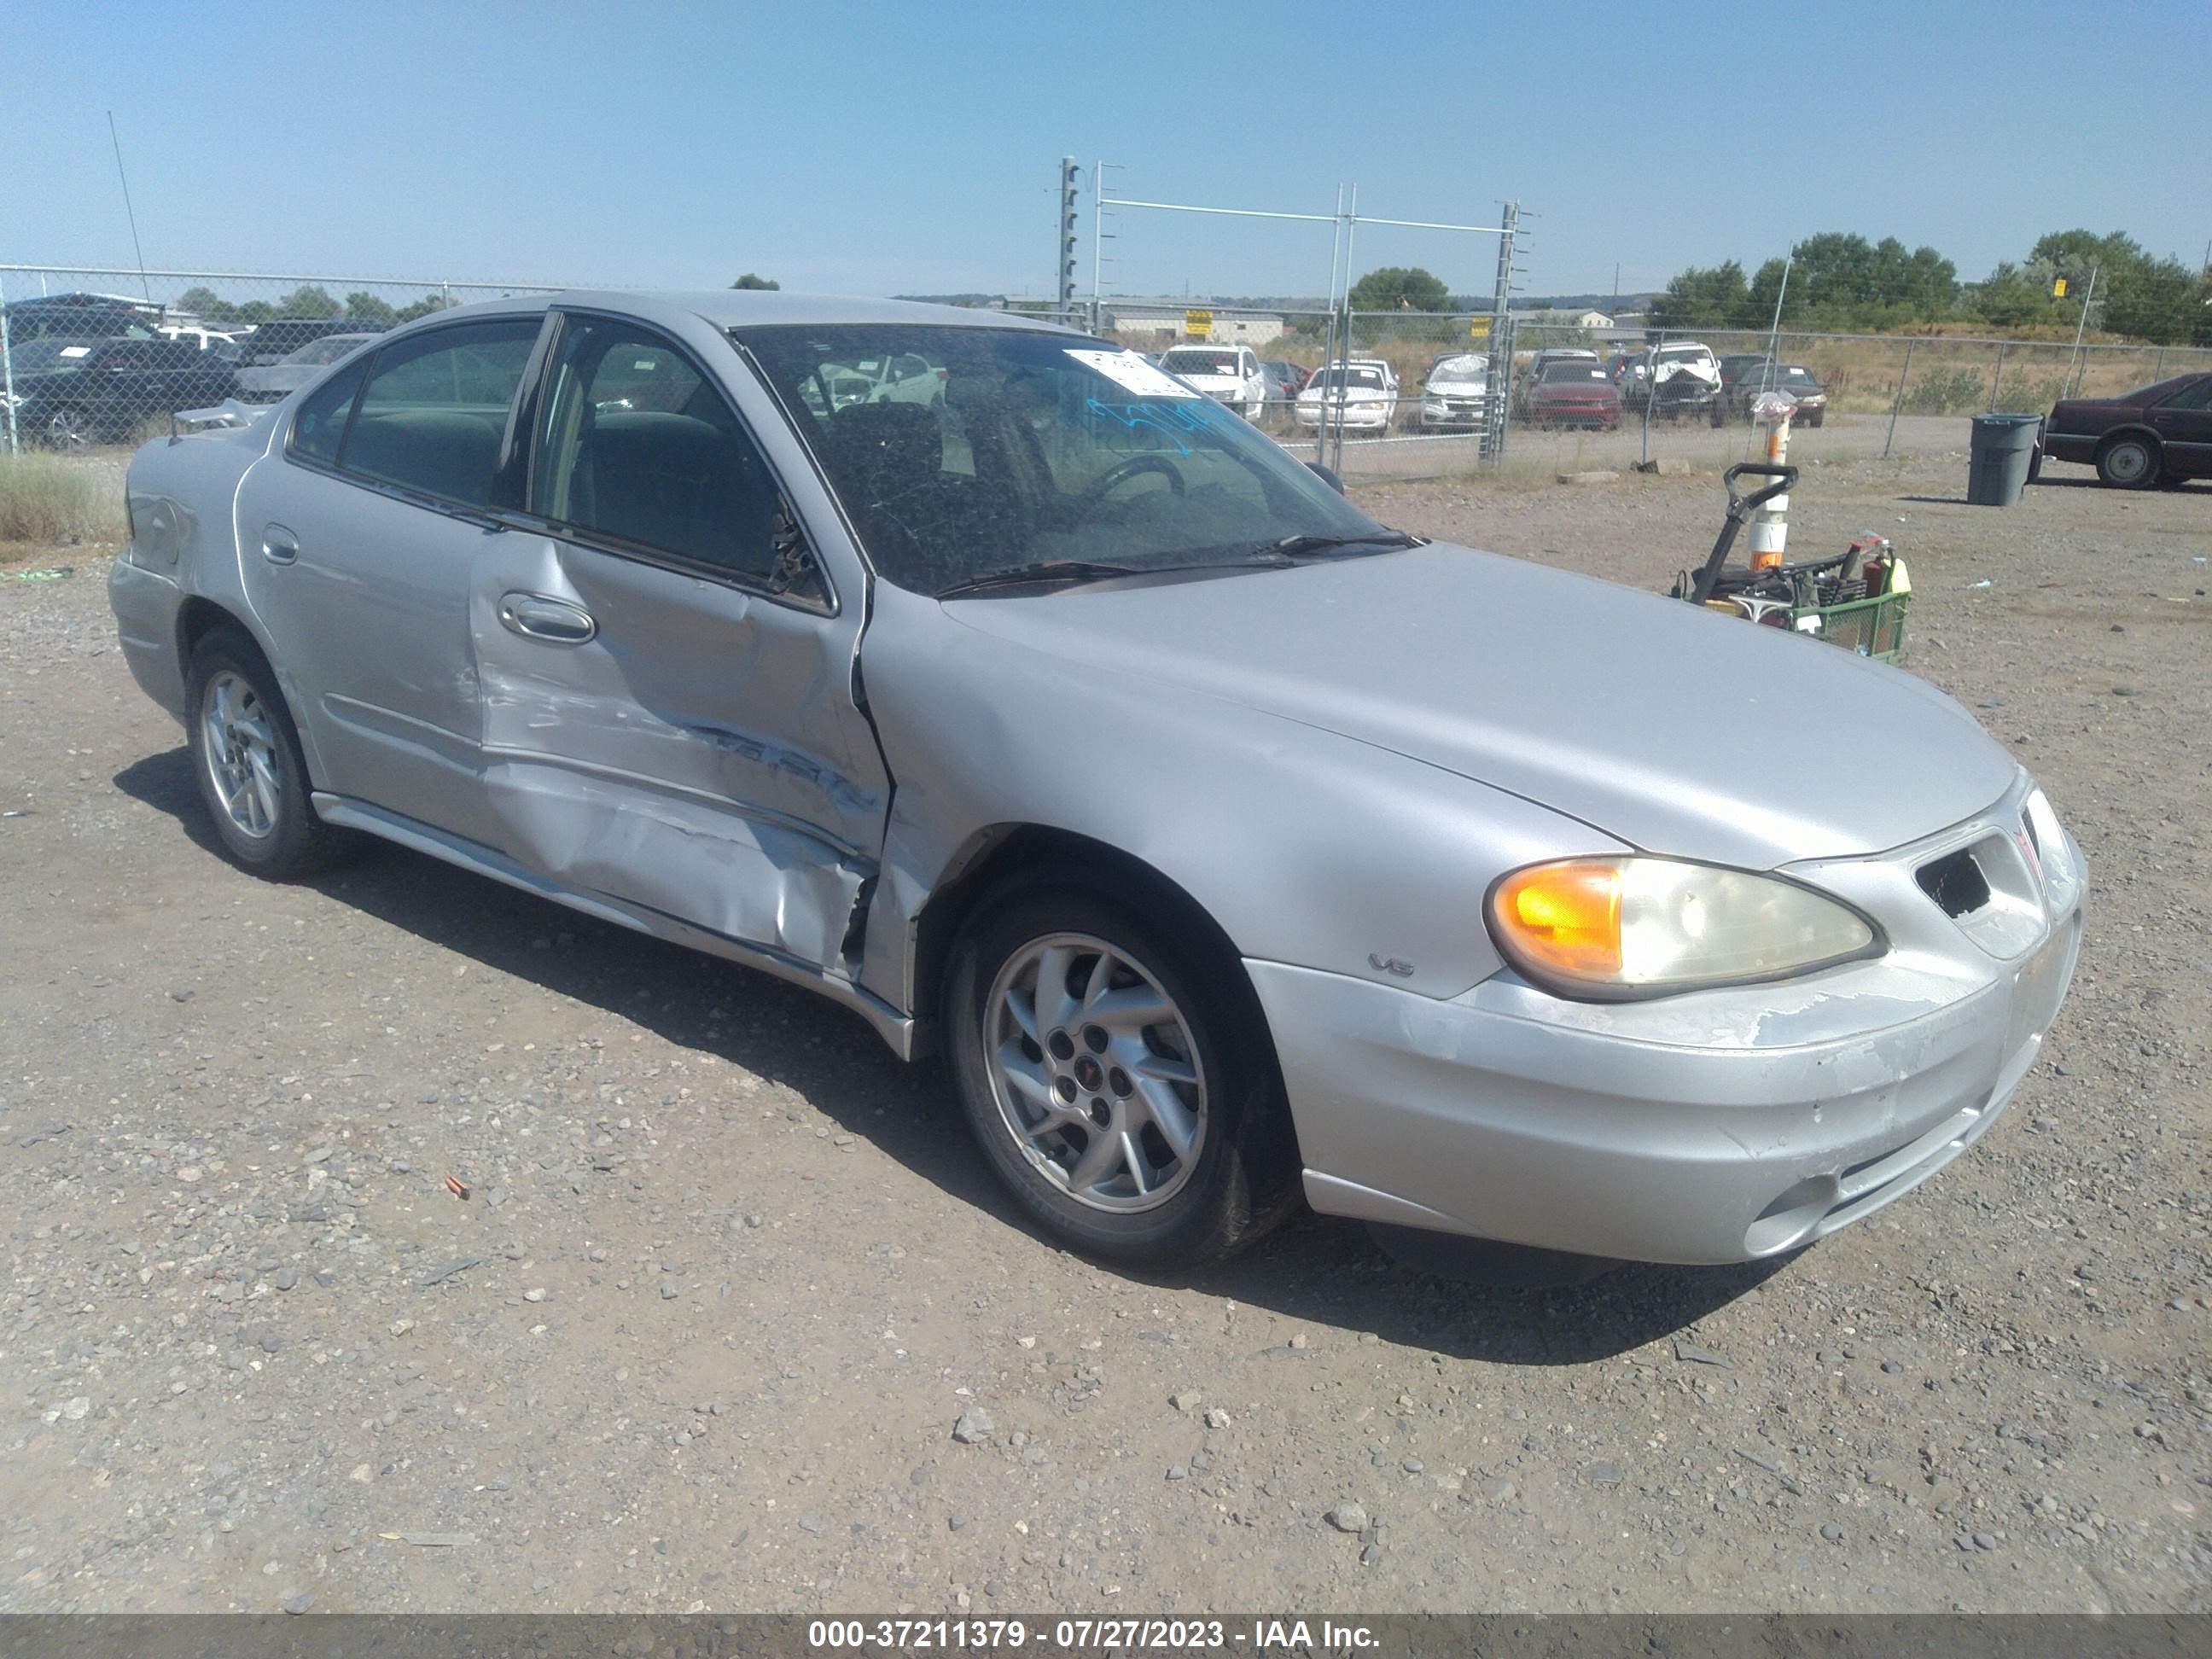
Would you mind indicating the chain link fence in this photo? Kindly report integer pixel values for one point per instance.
(99, 356)
(1877, 394)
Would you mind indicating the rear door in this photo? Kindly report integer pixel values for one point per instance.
(2184, 424)
(667, 722)
(358, 536)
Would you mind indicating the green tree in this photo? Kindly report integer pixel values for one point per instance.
(207, 305)
(421, 307)
(365, 308)
(311, 300)
(253, 311)
(748, 280)
(1399, 287)
(1704, 298)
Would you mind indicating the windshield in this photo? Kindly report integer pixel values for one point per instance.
(1685, 355)
(328, 350)
(1329, 379)
(1201, 362)
(1042, 448)
(1461, 368)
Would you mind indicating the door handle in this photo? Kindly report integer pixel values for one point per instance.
(279, 545)
(555, 622)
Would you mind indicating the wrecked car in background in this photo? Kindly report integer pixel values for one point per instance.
(1231, 844)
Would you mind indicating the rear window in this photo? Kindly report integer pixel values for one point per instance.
(1555, 374)
(1201, 362)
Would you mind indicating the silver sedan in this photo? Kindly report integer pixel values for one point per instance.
(1232, 845)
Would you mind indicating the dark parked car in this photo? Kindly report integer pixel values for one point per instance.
(82, 317)
(280, 337)
(1284, 382)
(72, 392)
(1743, 378)
(1575, 392)
(2159, 435)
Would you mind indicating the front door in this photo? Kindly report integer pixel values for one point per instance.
(360, 532)
(2184, 424)
(665, 722)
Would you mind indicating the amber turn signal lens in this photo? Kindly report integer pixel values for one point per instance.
(1565, 916)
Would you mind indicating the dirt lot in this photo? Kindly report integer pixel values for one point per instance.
(729, 1274)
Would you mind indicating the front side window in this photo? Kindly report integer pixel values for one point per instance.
(635, 444)
(1042, 448)
(2192, 397)
(435, 409)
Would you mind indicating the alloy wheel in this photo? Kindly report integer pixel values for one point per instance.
(239, 745)
(1095, 1073)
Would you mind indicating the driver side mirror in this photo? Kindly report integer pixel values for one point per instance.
(1327, 475)
(794, 571)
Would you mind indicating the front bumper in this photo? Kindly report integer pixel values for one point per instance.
(1354, 417)
(1721, 1126)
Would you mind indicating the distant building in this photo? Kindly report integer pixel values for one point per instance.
(1592, 319)
(1164, 322)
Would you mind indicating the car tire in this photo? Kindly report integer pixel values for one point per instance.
(2130, 461)
(69, 427)
(1044, 1092)
(247, 759)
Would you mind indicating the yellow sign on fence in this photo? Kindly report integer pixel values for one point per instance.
(1478, 328)
(1197, 325)
(2058, 289)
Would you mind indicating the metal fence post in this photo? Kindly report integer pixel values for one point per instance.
(1996, 381)
(2158, 373)
(1903, 375)
(7, 371)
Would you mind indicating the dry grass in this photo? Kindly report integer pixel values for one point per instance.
(48, 501)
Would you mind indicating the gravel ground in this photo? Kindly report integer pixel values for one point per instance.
(731, 1317)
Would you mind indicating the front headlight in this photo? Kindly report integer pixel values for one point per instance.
(1610, 928)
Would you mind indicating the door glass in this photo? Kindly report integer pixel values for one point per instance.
(638, 446)
(2192, 397)
(321, 421)
(435, 406)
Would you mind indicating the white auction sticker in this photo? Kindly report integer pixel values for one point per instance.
(1129, 371)
(76, 351)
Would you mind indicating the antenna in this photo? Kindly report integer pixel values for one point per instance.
(127, 212)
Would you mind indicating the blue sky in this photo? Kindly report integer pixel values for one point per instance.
(875, 148)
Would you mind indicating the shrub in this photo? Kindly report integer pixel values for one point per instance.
(50, 500)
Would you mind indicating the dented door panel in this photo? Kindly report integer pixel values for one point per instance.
(696, 750)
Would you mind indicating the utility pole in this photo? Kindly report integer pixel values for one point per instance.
(1501, 336)
(1066, 266)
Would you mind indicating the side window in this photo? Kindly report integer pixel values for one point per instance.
(636, 445)
(435, 409)
(2192, 397)
(321, 421)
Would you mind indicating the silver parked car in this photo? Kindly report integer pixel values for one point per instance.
(1229, 844)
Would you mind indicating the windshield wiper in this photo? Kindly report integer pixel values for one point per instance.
(1312, 544)
(1050, 572)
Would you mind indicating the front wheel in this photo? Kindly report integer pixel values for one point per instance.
(69, 428)
(247, 760)
(2129, 463)
(1119, 1079)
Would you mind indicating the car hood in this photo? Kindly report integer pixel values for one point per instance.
(1675, 729)
(1456, 388)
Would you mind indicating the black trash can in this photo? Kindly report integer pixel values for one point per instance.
(2002, 448)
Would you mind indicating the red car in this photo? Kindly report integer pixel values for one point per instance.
(2159, 435)
(1575, 392)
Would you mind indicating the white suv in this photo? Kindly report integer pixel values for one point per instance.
(1228, 374)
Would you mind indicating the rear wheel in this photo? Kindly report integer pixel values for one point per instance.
(69, 428)
(247, 762)
(1119, 1079)
(2128, 462)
